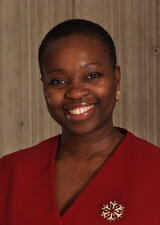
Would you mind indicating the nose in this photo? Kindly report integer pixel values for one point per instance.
(76, 92)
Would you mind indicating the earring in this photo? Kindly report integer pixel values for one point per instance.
(118, 94)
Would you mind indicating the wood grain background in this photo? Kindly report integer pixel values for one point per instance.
(135, 27)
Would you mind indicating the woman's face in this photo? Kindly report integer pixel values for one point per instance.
(80, 84)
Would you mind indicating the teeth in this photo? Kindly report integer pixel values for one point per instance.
(81, 110)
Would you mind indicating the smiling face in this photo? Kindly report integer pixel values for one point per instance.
(79, 84)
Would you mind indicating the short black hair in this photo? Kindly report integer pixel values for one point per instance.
(78, 26)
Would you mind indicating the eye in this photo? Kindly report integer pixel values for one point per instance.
(94, 75)
(58, 83)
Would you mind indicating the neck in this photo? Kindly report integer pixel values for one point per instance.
(88, 145)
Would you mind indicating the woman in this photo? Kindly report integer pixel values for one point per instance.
(93, 173)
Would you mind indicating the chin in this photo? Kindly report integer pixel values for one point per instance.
(80, 129)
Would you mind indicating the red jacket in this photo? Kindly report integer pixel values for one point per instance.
(128, 185)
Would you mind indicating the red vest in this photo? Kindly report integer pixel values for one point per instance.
(126, 191)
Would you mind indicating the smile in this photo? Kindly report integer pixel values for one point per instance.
(79, 113)
(81, 110)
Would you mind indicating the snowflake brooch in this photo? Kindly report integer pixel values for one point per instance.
(112, 211)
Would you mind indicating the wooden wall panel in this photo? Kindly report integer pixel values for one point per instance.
(135, 28)
(24, 120)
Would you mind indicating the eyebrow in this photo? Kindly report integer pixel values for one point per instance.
(92, 63)
(54, 70)
(84, 65)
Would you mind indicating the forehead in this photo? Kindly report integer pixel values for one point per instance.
(72, 53)
(75, 42)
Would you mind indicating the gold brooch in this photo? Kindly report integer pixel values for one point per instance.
(112, 211)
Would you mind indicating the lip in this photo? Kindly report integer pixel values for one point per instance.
(71, 114)
(74, 105)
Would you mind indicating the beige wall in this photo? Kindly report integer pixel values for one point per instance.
(135, 27)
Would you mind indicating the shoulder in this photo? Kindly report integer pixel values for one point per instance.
(142, 154)
(30, 156)
(142, 146)
(23, 173)
(139, 153)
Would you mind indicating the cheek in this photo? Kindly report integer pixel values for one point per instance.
(106, 90)
(53, 98)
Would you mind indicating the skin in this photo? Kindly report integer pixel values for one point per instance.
(77, 72)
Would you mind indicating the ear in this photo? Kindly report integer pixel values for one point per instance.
(117, 78)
